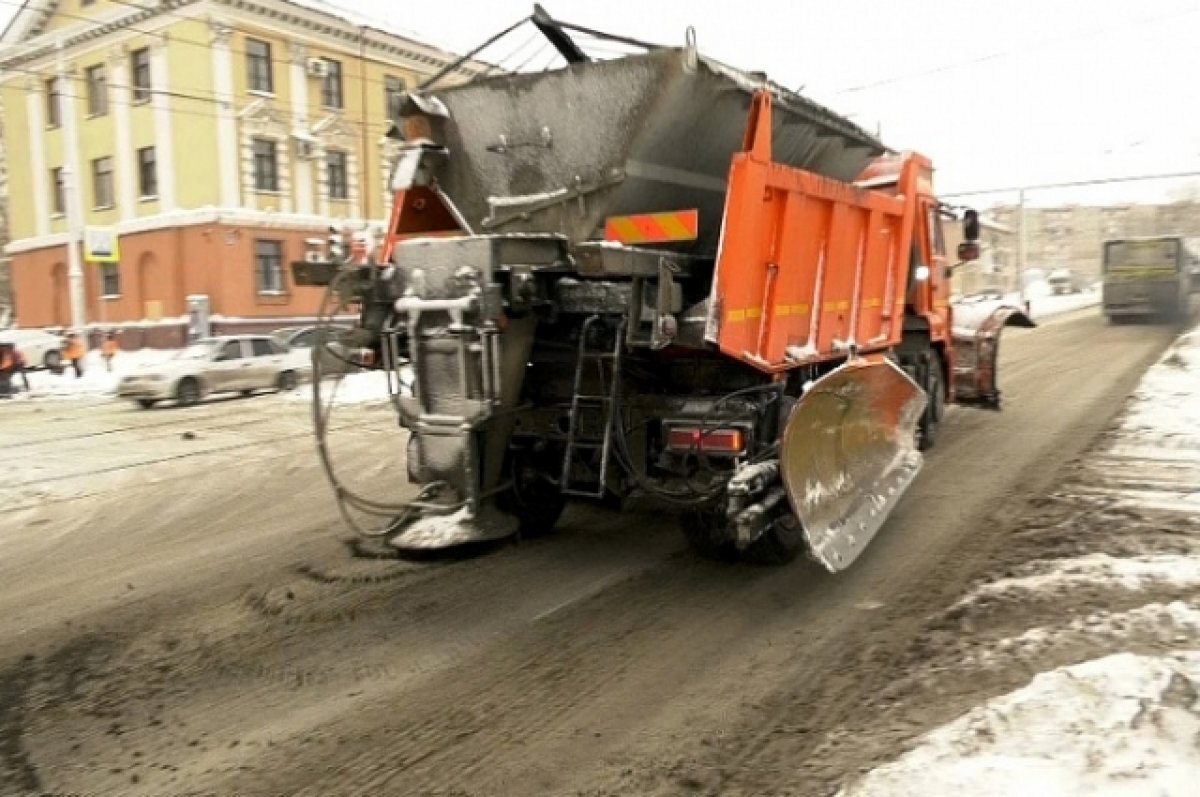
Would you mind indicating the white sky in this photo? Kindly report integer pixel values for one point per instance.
(997, 92)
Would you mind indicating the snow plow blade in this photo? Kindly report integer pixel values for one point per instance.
(848, 454)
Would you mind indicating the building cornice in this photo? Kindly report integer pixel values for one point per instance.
(321, 24)
(239, 217)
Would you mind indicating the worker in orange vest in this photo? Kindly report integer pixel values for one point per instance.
(74, 352)
(20, 366)
(109, 349)
(7, 364)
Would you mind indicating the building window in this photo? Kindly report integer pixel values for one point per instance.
(139, 65)
(53, 106)
(393, 94)
(268, 266)
(331, 84)
(110, 280)
(335, 172)
(86, 3)
(60, 191)
(258, 66)
(147, 172)
(266, 165)
(97, 90)
(102, 183)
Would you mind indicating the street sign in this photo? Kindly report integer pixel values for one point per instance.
(100, 245)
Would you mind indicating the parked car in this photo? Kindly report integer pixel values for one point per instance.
(1064, 280)
(335, 357)
(41, 349)
(233, 363)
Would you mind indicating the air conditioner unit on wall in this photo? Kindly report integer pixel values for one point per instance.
(317, 67)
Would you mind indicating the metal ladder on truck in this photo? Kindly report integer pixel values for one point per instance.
(580, 445)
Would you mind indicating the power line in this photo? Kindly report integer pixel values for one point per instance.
(1073, 184)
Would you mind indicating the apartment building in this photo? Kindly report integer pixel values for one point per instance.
(212, 137)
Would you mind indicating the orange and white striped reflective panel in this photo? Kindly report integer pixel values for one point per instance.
(653, 228)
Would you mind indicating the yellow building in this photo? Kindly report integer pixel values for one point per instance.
(212, 136)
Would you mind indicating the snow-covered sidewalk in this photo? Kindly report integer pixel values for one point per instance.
(97, 382)
(1111, 628)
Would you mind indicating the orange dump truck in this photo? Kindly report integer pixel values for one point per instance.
(656, 276)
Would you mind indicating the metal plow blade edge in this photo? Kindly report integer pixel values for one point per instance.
(849, 453)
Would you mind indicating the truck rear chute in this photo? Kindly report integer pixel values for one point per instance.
(849, 453)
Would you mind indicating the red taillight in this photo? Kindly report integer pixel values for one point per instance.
(706, 441)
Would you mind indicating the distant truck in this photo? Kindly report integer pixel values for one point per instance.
(1146, 278)
(1064, 280)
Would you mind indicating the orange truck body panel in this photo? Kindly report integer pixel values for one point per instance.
(810, 267)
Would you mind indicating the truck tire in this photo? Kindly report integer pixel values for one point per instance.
(535, 498)
(53, 360)
(780, 544)
(704, 530)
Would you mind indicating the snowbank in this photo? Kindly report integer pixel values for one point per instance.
(96, 382)
(365, 387)
(1121, 725)
(1165, 405)
(1163, 623)
(1059, 575)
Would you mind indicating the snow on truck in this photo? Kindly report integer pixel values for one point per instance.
(658, 276)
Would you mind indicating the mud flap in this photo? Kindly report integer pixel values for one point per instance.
(849, 453)
(976, 352)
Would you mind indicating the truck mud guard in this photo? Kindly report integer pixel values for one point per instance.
(977, 349)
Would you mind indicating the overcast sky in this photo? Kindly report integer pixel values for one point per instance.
(997, 92)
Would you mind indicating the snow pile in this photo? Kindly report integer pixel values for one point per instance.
(1171, 623)
(96, 382)
(1121, 725)
(1165, 405)
(1051, 577)
(364, 387)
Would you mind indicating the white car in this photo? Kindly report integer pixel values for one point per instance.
(41, 349)
(234, 363)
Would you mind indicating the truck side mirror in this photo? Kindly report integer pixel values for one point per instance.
(971, 226)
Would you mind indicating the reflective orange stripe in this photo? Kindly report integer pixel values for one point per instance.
(650, 228)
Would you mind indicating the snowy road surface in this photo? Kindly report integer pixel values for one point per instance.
(1115, 709)
(178, 614)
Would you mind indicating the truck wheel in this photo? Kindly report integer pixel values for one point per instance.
(188, 392)
(704, 530)
(146, 403)
(534, 499)
(935, 410)
(52, 360)
(287, 381)
(780, 544)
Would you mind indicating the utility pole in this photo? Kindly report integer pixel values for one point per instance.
(1022, 239)
(73, 186)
